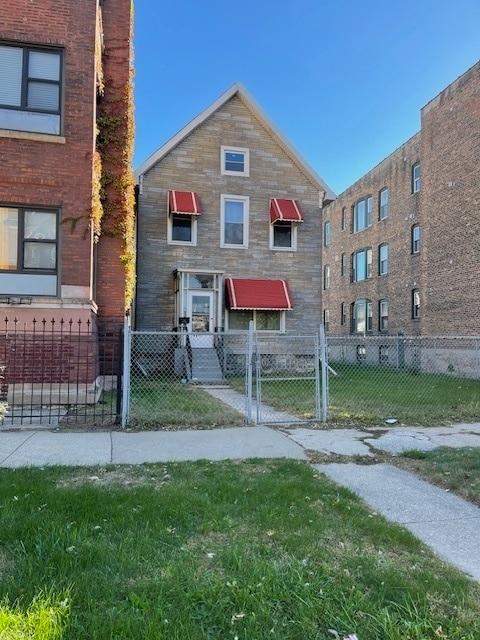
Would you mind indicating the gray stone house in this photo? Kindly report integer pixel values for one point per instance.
(229, 227)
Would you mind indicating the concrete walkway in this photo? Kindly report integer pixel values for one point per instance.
(447, 524)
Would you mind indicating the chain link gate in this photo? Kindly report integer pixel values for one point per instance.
(241, 377)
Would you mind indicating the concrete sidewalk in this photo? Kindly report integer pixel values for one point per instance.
(447, 524)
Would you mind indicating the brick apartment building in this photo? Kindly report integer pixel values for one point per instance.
(401, 246)
(66, 191)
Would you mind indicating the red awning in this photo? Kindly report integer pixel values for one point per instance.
(184, 203)
(288, 210)
(249, 293)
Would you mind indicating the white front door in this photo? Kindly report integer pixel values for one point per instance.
(200, 312)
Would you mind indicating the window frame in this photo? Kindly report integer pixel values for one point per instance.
(416, 177)
(383, 208)
(23, 240)
(367, 201)
(224, 199)
(343, 314)
(254, 312)
(416, 302)
(415, 241)
(344, 218)
(326, 320)
(326, 277)
(293, 235)
(383, 262)
(367, 251)
(34, 119)
(343, 264)
(193, 229)
(368, 319)
(224, 149)
(327, 233)
(383, 316)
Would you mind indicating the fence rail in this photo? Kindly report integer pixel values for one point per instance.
(59, 372)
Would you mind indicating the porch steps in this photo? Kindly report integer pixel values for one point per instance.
(206, 367)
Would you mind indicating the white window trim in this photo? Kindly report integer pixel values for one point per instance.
(246, 153)
(192, 242)
(292, 247)
(246, 208)
(254, 311)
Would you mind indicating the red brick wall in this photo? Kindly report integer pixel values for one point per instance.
(450, 195)
(35, 172)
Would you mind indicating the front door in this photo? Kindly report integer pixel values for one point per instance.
(200, 311)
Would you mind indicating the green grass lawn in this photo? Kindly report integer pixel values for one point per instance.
(246, 550)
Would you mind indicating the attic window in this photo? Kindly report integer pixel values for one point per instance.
(234, 161)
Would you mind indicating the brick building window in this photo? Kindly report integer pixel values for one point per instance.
(383, 259)
(234, 221)
(343, 264)
(383, 315)
(383, 204)
(28, 240)
(416, 177)
(327, 233)
(31, 89)
(383, 357)
(361, 265)
(362, 316)
(344, 218)
(343, 314)
(326, 320)
(326, 277)
(235, 161)
(416, 238)
(415, 304)
(362, 214)
(283, 235)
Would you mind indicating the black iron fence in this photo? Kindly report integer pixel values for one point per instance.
(60, 372)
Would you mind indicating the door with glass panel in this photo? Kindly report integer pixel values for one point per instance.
(200, 312)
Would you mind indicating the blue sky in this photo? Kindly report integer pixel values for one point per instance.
(344, 80)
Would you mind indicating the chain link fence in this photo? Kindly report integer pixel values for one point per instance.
(409, 380)
(182, 380)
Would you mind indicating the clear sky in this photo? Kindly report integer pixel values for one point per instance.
(344, 80)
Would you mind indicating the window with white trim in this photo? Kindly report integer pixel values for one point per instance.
(362, 264)
(416, 238)
(28, 240)
(344, 218)
(383, 315)
(362, 214)
(415, 304)
(234, 221)
(30, 89)
(283, 235)
(383, 204)
(362, 316)
(326, 277)
(235, 161)
(383, 259)
(263, 320)
(416, 177)
(327, 233)
(182, 229)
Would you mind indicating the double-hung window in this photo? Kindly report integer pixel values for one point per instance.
(327, 233)
(362, 316)
(30, 89)
(28, 250)
(415, 304)
(326, 277)
(383, 204)
(235, 161)
(383, 259)
(234, 221)
(362, 214)
(361, 265)
(383, 315)
(416, 238)
(416, 177)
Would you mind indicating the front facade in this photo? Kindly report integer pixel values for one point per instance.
(402, 248)
(229, 227)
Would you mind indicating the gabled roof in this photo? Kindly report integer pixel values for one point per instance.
(257, 111)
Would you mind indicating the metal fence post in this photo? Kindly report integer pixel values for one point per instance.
(127, 350)
(324, 369)
(249, 381)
